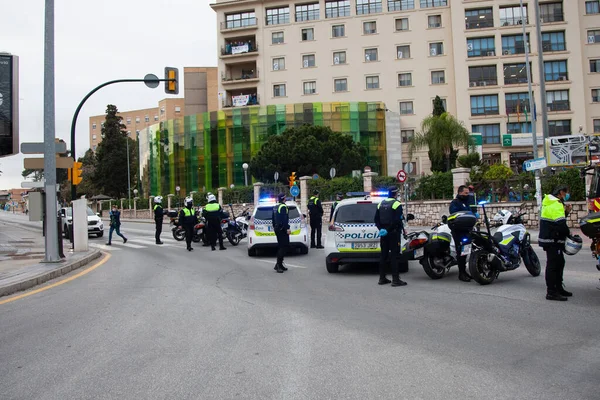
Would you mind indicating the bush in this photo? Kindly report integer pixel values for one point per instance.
(569, 178)
(438, 185)
(469, 160)
(330, 187)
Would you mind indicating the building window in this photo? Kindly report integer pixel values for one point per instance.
(434, 21)
(518, 127)
(279, 90)
(177, 109)
(516, 103)
(438, 77)
(483, 76)
(553, 41)
(559, 128)
(555, 71)
(370, 55)
(335, 9)
(137, 132)
(401, 24)
(481, 47)
(403, 51)
(596, 95)
(156, 118)
(102, 125)
(340, 85)
(405, 79)
(485, 105)
(479, 18)
(406, 108)
(370, 27)
(593, 36)
(592, 7)
(308, 60)
(372, 82)
(240, 20)
(515, 74)
(513, 15)
(338, 31)
(162, 110)
(595, 65)
(368, 7)
(128, 120)
(146, 118)
(339, 57)
(552, 12)
(94, 137)
(308, 34)
(309, 87)
(399, 5)
(277, 37)
(307, 12)
(278, 64)
(137, 120)
(558, 100)
(93, 126)
(490, 133)
(436, 49)
(278, 16)
(433, 3)
(513, 44)
(596, 123)
(407, 135)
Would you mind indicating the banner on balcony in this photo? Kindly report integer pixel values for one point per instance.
(240, 49)
(240, 101)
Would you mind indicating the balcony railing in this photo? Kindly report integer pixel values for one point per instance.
(231, 50)
(552, 17)
(517, 109)
(250, 23)
(239, 76)
(515, 80)
(513, 21)
(311, 15)
(560, 105)
(242, 101)
(483, 82)
(479, 24)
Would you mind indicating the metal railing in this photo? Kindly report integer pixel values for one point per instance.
(552, 17)
(483, 82)
(510, 21)
(239, 24)
(241, 76)
(560, 105)
(227, 50)
(254, 100)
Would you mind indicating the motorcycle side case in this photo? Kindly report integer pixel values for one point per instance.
(590, 225)
(439, 243)
(172, 214)
(462, 221)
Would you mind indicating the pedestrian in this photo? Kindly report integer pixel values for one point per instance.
(315, 209)
(460, 203)
(213, 213)
(187, 219)
(553, 233)
(338, 197)
(115, 224)
(281, 226)
(159, 214)
(388, 219)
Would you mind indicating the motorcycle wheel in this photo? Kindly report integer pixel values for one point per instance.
(233, 239)
(431, 270)
(479, 268)
(531, 261)
(179, 234)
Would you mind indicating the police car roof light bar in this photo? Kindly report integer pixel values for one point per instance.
(357, 194)
(381, 193)
(266, 200)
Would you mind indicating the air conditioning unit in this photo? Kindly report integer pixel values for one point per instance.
(491, 53)
(484, 83)
(473, 84)
(506, 52)
(520, 22)
(563, 78)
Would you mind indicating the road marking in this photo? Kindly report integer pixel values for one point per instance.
(286, 264)
(105, 258)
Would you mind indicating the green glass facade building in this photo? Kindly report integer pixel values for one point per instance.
(206, 151)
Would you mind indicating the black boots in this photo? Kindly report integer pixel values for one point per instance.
(222, 248)
(383, 280)
(556, 296)
(561, 290)
(464, 277)
(398, 282)
(279, 268)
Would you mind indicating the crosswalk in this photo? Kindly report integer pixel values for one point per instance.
(134, 242)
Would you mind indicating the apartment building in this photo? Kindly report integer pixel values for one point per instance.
(405, 52)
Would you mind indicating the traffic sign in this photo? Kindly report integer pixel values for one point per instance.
(401, 176)
(536, 163)
(37, 185)
(39, 147)
(38, 163)
(295, 191)
(409, 167)
(316, 176)
(332, 173)
(177, 188)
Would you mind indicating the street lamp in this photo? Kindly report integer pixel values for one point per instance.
(245, 167)
(128, 174)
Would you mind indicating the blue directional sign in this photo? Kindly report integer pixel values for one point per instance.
(295, 191)
(536, 163)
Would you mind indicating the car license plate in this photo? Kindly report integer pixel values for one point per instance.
(419, 252)
(466, 250)
(364, 245)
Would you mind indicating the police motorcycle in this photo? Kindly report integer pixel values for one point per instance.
(236, 229)
(440, 250)
(176, 228)
(503, 250)
(590, 227)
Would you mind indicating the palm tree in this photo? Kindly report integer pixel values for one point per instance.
(441, 134)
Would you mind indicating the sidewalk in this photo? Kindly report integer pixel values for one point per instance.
(22, 250)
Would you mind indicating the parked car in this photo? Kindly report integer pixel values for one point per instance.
(95, 225)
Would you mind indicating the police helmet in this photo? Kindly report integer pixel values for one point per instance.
(573, 244)
(281, 197)
(158, 199)
(339, 196)
(211, 197)
(393, 191)
(561, 188)
(189, 201)
(208, 195)
(316, 192)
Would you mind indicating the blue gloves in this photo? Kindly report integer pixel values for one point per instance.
(383, 232)
(477, 215)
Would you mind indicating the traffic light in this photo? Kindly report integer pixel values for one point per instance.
(171, 80)
(75, 173)
(9, 105)
(292, 179)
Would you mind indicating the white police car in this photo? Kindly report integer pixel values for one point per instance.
(261, 234)
(352, 236)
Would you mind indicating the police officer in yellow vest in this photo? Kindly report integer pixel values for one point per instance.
(158, 218)
(388, 219)
(281, 226)
(187, 219)
(315, 209)
(553, 233)
(213, 214)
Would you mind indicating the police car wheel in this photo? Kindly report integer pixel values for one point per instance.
(100, 234)
(304, 250)
(251, 252)
(332, 268)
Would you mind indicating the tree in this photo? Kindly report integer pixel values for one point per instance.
(441, 134)
(307, 150)
(110, 174)
(88, 169)
(438, 107)
(469, 160)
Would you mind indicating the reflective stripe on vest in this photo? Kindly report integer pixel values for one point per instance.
(314, 200)
(187, 212)
(212, 207)
(395, 205)
(279, 208)
(156, 206)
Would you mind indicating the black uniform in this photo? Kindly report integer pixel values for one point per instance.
(213, 214)
(187, 219)
(158, 220)
(553, 233)
(315, 209)
(458, 205)
(281, 225)
(389, 217)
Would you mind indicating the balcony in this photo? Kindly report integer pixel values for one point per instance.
(552, 17)
(241, 99)
(513, 21)
(239, 49)
(239, 76)
(239, 25)
(560, 105)
(516, 108)
(483, 82)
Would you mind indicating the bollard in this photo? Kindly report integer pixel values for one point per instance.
(61, 252)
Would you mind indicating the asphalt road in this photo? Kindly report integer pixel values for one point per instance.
(162, 323)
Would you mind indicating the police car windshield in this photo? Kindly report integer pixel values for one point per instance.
(361, 213)
(266, 213)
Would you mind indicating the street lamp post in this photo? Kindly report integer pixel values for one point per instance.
(245, 167)
(128, 174)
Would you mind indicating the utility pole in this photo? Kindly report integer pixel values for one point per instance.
(128, 177)
(51, 239)
(543, 98)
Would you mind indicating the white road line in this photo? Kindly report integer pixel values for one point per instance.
(104, 247)
(272, 263)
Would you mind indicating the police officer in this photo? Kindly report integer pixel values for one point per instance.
(281, 226)
(338, 197)
(213, 214)
(553, 233)
(461, 203)
(187, 219)
(315, 209)
(158, 218)
(388, 219)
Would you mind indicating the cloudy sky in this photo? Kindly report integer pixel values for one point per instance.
(97, 41)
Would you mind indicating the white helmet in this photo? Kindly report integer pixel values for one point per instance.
(208, 195)
(502, 216)
(211, 197)
(573, 244)
(189, 201)
(158, 199)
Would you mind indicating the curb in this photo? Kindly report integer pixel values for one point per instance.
(45, 276)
